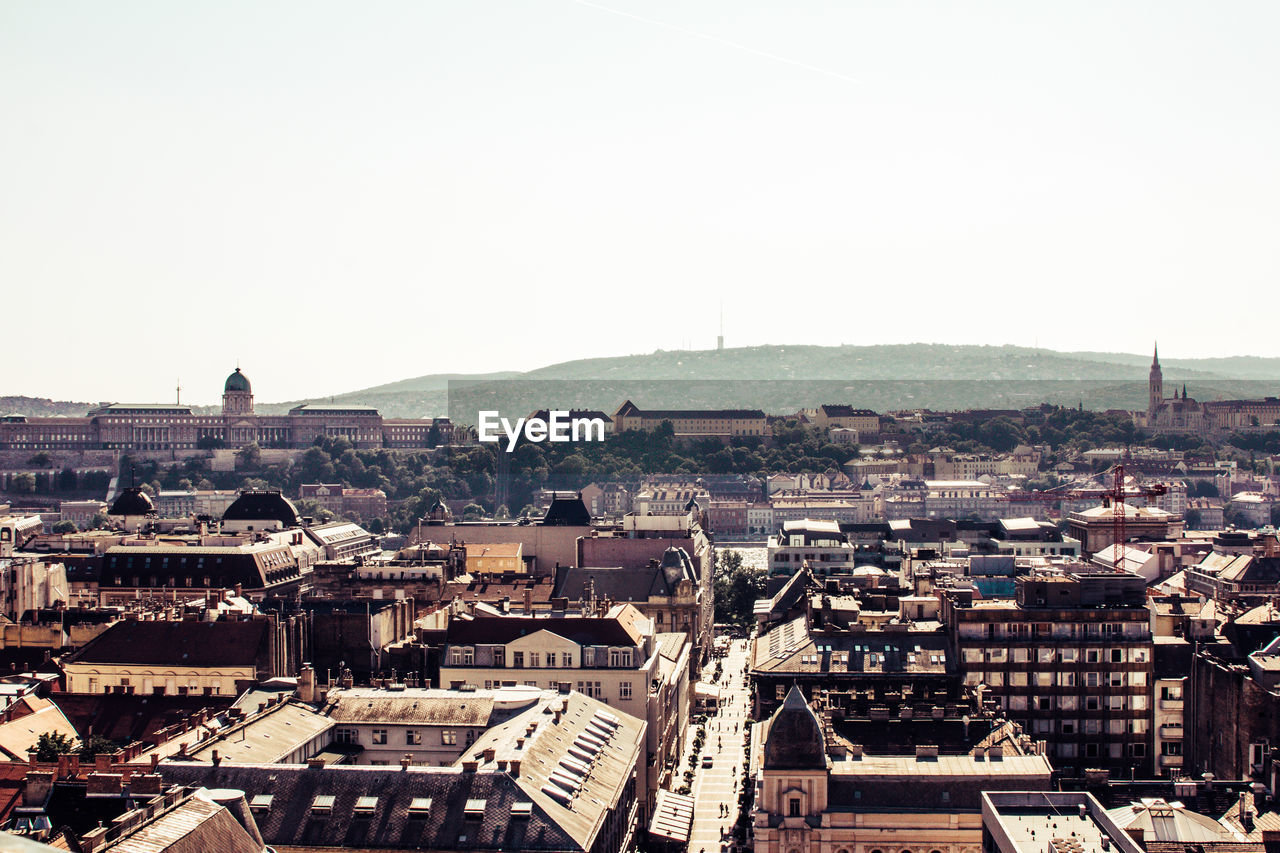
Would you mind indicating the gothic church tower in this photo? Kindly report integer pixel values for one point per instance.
(1155, 385)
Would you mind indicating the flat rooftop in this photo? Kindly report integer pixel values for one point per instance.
(1052, 822)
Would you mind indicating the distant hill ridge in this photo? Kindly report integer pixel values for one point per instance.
(427, 395)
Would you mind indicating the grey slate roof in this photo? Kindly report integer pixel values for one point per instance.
(626, 584)
(587, 631)
(178, 644)
(795, 741)
(445, 826)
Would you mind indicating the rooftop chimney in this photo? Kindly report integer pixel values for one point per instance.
(38, 785)
(307, 684)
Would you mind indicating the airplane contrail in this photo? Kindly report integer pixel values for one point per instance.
(722, 41)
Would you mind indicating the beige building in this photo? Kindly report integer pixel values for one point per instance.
(693, 423)
(171, 658)
(496, 558)
(28, 583)
(430, 726)
(1095, 527)
(614, 657)
(176, 428)
(816, 794)
(81, 513)
(830, 417)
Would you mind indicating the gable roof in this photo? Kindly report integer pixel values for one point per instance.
(623, 584)
(434, 707)
(444, 826)
(32, 717)
(178, 644)
(583, 630)
(198, 823)
(542, 758)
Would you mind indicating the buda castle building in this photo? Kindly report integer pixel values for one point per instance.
(163, 427)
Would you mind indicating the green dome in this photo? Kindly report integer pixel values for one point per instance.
(237, 382)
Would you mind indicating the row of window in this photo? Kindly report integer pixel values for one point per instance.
(1114, 751)
(1089, 727)
(1055, 654)
(191, 688)
(412, 737)
(1072, 703)
(594, 689)
(591, 656)
(1134, 630)
(156, 582)
(1059, 679)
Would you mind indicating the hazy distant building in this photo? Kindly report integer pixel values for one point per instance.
(693, 423)
(175, 427)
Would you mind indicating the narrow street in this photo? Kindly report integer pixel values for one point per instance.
(716, 788)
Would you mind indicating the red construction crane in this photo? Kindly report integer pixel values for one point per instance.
(1116, 495)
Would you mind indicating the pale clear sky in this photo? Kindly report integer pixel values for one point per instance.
(343, 194)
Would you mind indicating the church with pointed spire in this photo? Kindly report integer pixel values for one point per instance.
(1173, 414)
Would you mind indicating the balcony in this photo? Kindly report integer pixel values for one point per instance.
(1170, 704)
(1171, 761)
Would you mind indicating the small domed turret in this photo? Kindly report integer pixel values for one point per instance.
(237, 395)
(132, 502)
(237, 382)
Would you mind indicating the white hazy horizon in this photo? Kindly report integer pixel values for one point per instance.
(340, 195)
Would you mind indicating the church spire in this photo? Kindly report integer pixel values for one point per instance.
(1155, 385)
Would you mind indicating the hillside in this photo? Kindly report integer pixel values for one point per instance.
(784, 378)
(42, 407)
(788, 377)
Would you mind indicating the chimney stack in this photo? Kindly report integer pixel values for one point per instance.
(307, 684)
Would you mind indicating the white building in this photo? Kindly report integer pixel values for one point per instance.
(962, 499)
(429, 726)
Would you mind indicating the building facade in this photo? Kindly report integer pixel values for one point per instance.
(175, 427)
(1070, 659)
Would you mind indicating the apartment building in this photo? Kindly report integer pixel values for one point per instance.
(1070, 658)
(612, 656)
(818, 544)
